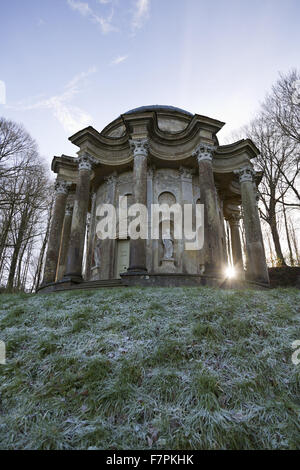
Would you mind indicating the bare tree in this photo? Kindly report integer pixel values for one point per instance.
(276, 131)
(15, 142)
(282, 105)
(276, 154)
(40, 260)
(281, 109)
(24, 196)
(294, 239)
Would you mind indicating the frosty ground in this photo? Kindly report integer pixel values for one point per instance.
(188, 368)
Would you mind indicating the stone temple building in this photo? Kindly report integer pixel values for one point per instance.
(153, 155)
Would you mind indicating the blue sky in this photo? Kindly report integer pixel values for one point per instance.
(67, 64)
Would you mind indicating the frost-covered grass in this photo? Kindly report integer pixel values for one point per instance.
(189, 368)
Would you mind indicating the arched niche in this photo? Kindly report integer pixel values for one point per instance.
(166, 197)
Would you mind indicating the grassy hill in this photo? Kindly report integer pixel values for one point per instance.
(188, 368)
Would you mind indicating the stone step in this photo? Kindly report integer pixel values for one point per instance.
(98, 284)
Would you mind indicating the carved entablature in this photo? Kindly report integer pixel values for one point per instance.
(204, 152)
(139, 147)
(183, 137)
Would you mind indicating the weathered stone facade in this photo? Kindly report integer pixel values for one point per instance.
(154, 155)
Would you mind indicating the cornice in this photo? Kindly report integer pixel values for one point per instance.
(149, 120)
(92, 135)
(64, 161)
(163, 145)
(247, 145)
(228, 158)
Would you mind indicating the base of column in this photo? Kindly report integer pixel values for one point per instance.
(45, 284)
(66, 283)
(72, 277)
(185, 280)
(153, 280)
(137, 270)
(257, 279)
(212, 271)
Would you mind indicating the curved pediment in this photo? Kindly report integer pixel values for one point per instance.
(173, 133)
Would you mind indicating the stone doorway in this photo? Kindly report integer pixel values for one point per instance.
(123, 248)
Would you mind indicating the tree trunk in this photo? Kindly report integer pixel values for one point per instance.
(38, 273)
(16, 251)
(295, 242)
(288, 235)
(275, 235)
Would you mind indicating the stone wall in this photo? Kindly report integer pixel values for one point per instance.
(164, 185)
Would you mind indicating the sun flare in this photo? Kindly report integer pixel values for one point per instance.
(230, 272)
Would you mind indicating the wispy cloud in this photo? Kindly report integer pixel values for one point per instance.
(85, 10)
(40, 22)
(119, 59)
(71, 117)
(141, 13)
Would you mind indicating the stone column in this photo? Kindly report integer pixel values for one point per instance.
(61, 189)
(236, 247)
(213, 256)
(139, 147)
(64, 244)
(78, 227)
(91, 237)
(188, 259)
(150, 243)
(108, 246)
(256, 261)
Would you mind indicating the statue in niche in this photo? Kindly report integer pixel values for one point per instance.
(168, 248)
(168, 245)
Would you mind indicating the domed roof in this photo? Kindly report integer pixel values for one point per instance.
(158, 107)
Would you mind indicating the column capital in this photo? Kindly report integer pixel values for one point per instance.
(62, 186)
(234, 218)
(86, 162)
(245, 174)
(139, 147)
(204, 152)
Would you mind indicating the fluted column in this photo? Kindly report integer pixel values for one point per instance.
(139, 147)
(78, 227)
(213, 256)
(108, 246)
(256, 261)
(91, 237)
(151, 244)
(64, 244)
(236, 247)
(186, 258)
(61, 190)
